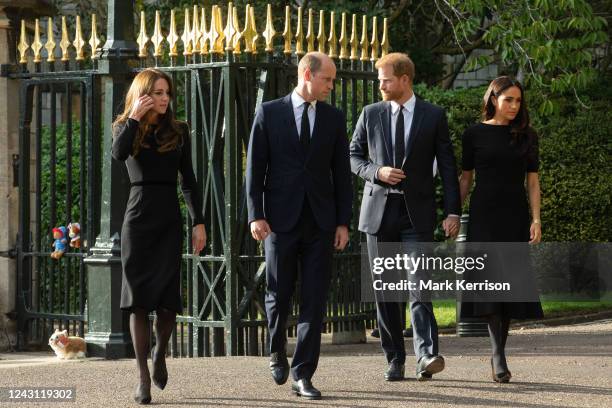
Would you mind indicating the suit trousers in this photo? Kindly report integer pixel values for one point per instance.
(397, 227)
(307, 248)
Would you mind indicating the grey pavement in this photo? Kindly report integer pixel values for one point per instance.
(565, 366)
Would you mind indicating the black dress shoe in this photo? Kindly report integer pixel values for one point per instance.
(395, 372)
(303, 387)
(142, 395)
(375, 333)
(279, 366)
(160, 373)
(503, 378)
(407, 332)
(428, 366)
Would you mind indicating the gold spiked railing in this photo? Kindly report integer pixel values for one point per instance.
(72, 46)
(218, 31)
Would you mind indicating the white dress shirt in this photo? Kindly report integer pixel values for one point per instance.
(298, 108)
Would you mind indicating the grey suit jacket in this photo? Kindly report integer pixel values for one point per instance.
(371, 149)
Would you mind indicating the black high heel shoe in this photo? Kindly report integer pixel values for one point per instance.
(143, 394)
(500, 377)
(160, 373)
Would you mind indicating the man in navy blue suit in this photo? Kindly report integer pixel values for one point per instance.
(393, 147)
(299, 197)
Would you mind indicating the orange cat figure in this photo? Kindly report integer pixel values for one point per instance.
(67, 347)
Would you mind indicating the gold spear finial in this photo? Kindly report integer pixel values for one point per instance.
(354, 42)
(65, 43)
(142, 39)
(375, 44)
(269, 32)
(333, 39)
(36, 44)
(299, 35)
(321, 36)
(343, 39)
(310, 37)
(50, 45)
(212, 34)
(237, 32)
(250, 32)
(253, 22)
(94, 41)
(229, 30)
(79, 42)
(218, 28)
(23, 45)
(172, 36)
(364, 39)
(287, 34)
(186, 36)
(204, 40)
(158, 37)
(196, 34)
(385, 39)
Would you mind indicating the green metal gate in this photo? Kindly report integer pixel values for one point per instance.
(220, 78)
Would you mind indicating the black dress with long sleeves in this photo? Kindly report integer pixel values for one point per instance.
(499, 211)
(151, 235)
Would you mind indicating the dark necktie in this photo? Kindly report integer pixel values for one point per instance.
(305, 129)
(399, 139)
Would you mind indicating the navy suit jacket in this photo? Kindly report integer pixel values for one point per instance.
(371, 149)
(280, 176)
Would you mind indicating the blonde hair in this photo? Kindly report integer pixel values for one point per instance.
(401, 63)
(169, 134)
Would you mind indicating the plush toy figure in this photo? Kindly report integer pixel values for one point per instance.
(74, 232)
(59, 245)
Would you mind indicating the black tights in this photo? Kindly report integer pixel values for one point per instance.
(498, 333)
(139, 328)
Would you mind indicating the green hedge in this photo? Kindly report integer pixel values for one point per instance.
(575, 158)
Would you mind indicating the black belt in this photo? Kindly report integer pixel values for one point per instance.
(395, 195)
(153, 183)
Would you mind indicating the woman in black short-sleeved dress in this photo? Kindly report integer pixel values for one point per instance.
(503, 152)
(156, 148)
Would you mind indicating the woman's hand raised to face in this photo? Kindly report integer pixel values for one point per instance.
(141, 107)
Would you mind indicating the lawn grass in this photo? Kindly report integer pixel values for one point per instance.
(445, 313)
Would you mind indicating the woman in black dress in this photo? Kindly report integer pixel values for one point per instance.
(156, 148)
(503, 151)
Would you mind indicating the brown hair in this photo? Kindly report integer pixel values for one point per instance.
(312, 60)
(522, 133)
(401, 63)
(169, 133)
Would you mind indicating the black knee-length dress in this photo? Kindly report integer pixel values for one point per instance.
(151, 235)
(499, 211)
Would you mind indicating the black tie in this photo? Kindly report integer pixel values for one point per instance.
(305, 131)
(399, 139)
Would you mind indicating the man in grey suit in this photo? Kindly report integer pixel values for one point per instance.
(393, 147)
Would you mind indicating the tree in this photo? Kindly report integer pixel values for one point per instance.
(554, 46)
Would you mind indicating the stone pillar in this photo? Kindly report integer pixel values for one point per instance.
(108, 331)
(9, 194)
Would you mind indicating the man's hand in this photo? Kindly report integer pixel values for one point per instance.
(260, 229)
(451, 226)
(341, 238)
(390, 175)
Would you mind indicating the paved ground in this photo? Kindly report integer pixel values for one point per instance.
(566, 366)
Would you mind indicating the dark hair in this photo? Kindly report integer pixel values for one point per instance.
(523, 135)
